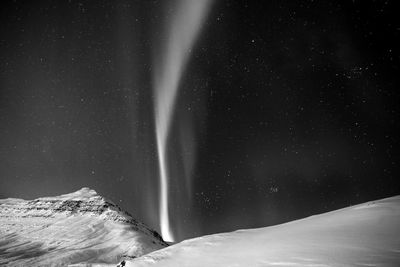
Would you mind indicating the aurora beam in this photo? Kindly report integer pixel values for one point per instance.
(183, 25)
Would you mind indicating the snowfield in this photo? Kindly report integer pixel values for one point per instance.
(84, 229)
(80, 228)
(362, 235)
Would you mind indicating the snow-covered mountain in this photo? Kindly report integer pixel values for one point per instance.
(362, 235)
(84, 229)
(77, 228)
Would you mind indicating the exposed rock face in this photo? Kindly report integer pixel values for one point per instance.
(77, 228)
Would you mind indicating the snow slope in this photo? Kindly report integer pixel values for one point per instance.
(77, 228)
(362, 235)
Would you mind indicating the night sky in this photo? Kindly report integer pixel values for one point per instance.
(285, 108)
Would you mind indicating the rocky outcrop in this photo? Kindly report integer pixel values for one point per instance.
(78, 228)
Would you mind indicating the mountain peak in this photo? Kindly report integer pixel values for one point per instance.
(82, 223)
(83, 192)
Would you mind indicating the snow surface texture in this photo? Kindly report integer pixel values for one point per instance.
(77, 228)
(362, 235)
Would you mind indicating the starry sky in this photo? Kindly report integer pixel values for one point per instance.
(285, 108)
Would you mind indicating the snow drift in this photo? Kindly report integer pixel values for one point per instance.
(77, 228)
(362, 235)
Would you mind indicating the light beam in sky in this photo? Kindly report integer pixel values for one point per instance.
(182, 28)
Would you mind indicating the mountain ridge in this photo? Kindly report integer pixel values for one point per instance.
(78, 227)
(362, 235)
